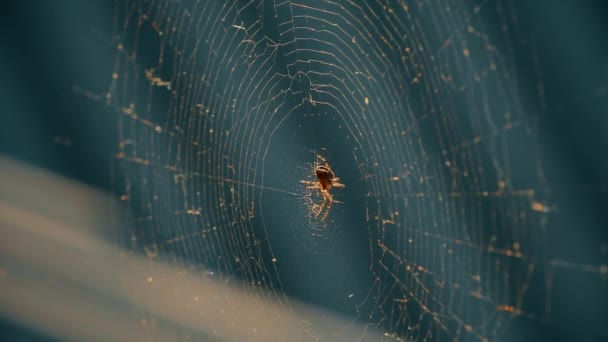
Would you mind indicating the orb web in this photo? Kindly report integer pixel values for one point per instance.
(420, 107)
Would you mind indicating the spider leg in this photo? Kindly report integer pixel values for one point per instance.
(320, 157)
(335, 182)
(330, 199)
(322, 205)
(310, 184)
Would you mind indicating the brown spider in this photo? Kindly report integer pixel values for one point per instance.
(326, 179)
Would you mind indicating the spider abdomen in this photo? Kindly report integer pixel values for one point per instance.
(324, 173)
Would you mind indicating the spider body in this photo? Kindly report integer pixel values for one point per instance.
(325, 176)
(326, 179)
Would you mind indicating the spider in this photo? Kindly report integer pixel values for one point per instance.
(326, 179)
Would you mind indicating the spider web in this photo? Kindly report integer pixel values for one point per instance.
(442, 231)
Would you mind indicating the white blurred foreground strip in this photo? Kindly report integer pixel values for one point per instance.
(61, 277)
